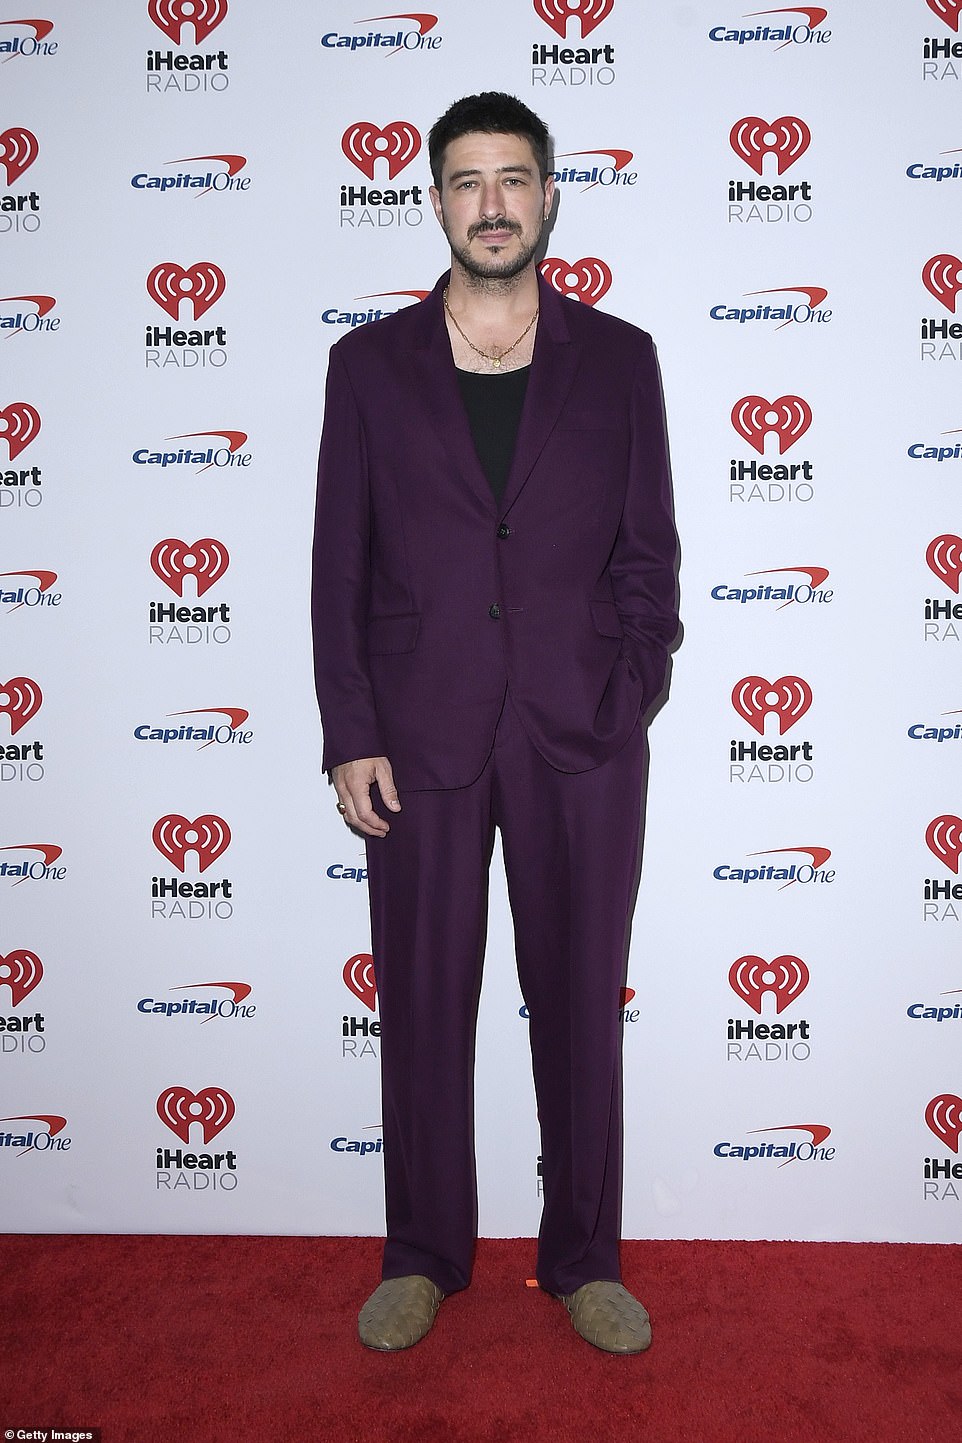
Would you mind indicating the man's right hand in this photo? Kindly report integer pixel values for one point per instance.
(353, 782)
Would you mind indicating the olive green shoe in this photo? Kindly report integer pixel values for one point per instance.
(399, 1313)
(607, 1316)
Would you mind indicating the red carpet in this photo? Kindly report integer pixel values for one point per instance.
(205, 1340)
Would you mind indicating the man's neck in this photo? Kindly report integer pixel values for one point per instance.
(490, 297)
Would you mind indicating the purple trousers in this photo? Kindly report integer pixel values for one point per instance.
(570, 844)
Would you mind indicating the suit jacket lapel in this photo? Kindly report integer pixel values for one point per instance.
(553, 367)
(438, 393)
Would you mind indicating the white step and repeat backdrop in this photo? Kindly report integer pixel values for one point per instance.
(197, 197)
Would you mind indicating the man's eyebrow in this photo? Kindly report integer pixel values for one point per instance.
(501, 170)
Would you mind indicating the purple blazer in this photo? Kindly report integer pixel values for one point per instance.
(430, 598)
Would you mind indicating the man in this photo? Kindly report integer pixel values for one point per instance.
(493, 606)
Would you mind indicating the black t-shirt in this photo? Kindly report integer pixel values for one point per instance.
(493, 403)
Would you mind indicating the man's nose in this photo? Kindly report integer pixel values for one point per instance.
(492, 204)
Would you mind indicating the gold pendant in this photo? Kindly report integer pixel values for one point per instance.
(495, 360)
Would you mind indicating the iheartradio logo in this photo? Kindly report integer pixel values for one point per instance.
(20, 700)
(18, 151)
(200, 285)
(943, 837)
(174, 837)
(171, 16)
(942, 278)
(589, 13)
(212, 1108)
(755, 699)
(173, 561)
(19, 425)
(786, 138)
(943, 1116)
(585, 280)
(785, 978)
(786, 418)
(943, 556)
(22, 972)
(359, 978)
(364, 145)
(947, 10)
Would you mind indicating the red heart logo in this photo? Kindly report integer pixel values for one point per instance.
(21, 971)
(788, 418)
(585, 280)
(364, 144)
(943, 557)
(21, 699)
(200, 285)
(172, 15)
(212, 1107)
(942, 277)
(557, 13)
(18, 151)
(947, 10)
(359, 977)
(786, 138)
(19, 425)
(174, 836)
(788, 698)
(173, 561)
(785, 977)
(943, 1116)
(943, 837)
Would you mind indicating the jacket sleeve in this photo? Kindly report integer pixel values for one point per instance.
(643, 562)
(341, 579)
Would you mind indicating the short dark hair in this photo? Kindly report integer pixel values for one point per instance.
(490, 113)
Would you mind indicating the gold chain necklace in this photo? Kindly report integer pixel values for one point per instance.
(494, 360)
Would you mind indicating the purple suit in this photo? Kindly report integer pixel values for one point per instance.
(500, 655)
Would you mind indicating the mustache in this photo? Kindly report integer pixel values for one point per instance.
(493, 225)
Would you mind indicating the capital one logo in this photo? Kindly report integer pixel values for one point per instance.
(786, 138)
(208, 837)
(50, 853)
(32, 320)
(397, 144)
(19, 425)
(755, 699)
(946, 10)
(20, 700)
(943, 837)
(585, 280)
(173, 561)
(589, 14)
(787, 418)
(18, 151)
(172, 15)
(943, 1116)
(784, 977)
(41, 29)
(212, 1109)
(200, 285)
(359, 977)
(942, 278)
(21, 971)
(943, 556)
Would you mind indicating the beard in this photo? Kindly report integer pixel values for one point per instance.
(494, 269)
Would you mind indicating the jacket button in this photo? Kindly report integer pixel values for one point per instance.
(494, 611)
(504, 531)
